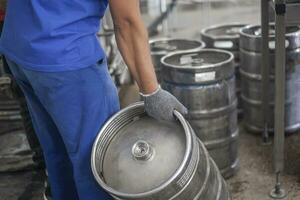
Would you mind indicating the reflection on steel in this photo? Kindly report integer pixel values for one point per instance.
(163, 46)
(226, 37)
(15, 154)
(138, 158)
(252, 90)
(204, 82)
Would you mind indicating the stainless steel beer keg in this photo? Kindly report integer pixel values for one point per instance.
(250, 52)
(137, 157)
(163, 46)
(9, 109)
(204, 82)
(226, 37)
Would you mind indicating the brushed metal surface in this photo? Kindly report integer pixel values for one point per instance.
(226, 37)
(136, 157)
(210, 99)
(251, 62)
(163, 46)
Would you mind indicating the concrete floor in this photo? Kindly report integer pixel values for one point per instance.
(255, 178)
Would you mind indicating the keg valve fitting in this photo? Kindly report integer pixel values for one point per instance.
(142, 150)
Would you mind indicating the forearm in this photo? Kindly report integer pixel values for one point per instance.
(132, 40)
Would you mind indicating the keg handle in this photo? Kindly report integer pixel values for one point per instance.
(142, 151)
(189, 60)
(233, 31)
(165, 46)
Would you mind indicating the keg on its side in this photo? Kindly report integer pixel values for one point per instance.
(136, 157)
(204, 82)
(250, 52)
(161, 47)
(226, 37)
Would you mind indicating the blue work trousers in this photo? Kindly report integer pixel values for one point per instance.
(68, 109)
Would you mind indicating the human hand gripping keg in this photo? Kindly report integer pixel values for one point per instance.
(161, 105)
(136, 157)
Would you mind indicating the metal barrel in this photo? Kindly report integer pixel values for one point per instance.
(9, 109)
(227, 37)
(163, 46)
(252, 92)
(154, 160)
(15, 152)
(204, 82)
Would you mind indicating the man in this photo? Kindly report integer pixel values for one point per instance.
(53, 53)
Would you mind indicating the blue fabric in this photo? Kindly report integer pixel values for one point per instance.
(68, 109)
(53, 35)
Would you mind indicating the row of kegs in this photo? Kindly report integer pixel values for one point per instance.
(219, 80)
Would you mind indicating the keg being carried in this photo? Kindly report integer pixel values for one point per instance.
(204, 82)
(136, 157)
(251, 58)
(163, 46)
(226, 37)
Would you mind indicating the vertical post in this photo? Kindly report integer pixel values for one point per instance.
(163, 9)
(265, 68)
(280, 92)
(280, 71)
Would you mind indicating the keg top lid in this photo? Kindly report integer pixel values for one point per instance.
(205, 58)
(143, 155)
(164, 46)
(255, 30)
(223, 31)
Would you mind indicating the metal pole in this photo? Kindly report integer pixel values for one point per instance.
(279, 137)
(165, 25)
(265, 68)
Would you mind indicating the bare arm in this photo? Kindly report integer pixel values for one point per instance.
(132, 40)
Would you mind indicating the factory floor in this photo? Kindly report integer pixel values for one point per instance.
(254, 180)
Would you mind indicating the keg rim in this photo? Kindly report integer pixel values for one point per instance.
(210, 66)
(184, 162)
(205, 30)
(243, 33)
(162, 53)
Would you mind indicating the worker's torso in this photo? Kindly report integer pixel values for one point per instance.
(53, 35)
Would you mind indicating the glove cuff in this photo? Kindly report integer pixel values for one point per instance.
(153, 93)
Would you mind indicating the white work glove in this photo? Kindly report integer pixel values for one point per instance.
(161, 105)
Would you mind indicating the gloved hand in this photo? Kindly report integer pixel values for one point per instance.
(161, 104)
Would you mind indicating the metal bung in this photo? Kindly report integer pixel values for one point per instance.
(146, 159)
(141, 150)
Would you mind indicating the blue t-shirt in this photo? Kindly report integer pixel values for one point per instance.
(53, 35)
